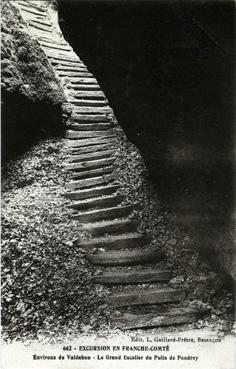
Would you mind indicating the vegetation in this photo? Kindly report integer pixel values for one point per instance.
(25, 69)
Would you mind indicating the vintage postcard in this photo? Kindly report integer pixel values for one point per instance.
(118, 184)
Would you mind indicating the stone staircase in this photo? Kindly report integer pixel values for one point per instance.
(139, 290)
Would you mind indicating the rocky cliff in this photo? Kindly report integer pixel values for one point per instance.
(31, 94)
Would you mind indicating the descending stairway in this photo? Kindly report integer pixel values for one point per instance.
(139, 290)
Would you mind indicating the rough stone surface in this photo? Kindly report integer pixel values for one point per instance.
(25, 68)
(31, 94)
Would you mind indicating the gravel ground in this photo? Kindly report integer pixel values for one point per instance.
(46, 289)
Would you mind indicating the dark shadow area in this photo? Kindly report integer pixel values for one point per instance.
(167, 69)
(25, 122)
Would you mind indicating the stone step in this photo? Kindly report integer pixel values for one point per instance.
(110, 227)
(33, 2)
(99, 202)
(133, 276)
(58, 54)
(92, 109)
(90, 193)
(35, 27)
(67, 58)
(114, 242)
(146, 296)
(88, 149)
(103, 214)
(73, 68)
(56, 41)
(91, 173)
(38, 32)
(90, 103)
(37, 18)
(88, 100)
(45, 21)
(71, 134)
(82, 73)
(42, 22)
(91, 164)
(41, 35)
(85, 87)
(126, 257)
(29, 10)
(88, 94)
(57, 49)
(155, 319)
(91, 118)
(89, 182)
(32, 5)
(79, 81)
(49, 52)
(90, 142)
(63, 63)
(90, 126)
(54, 46)
(40, 26)
(90, 156)
(73, 98)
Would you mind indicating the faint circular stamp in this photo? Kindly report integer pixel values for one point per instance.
(178, 54)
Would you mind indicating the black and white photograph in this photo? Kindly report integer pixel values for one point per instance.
(118, 184)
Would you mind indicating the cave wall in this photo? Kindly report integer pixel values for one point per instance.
(167, 69)
(31, 96)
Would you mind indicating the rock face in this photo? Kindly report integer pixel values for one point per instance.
(25, 69)
(31, 94)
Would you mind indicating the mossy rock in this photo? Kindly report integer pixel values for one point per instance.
(24, 63)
